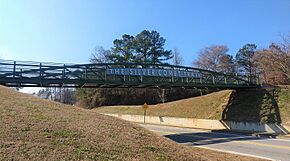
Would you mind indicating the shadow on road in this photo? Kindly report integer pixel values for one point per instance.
(207, 138)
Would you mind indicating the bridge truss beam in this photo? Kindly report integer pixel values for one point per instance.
(117, 75)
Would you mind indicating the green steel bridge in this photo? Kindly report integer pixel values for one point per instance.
(117, 75)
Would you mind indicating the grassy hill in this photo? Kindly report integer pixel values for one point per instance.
(37, 129)
(259, 105)
(208, 106)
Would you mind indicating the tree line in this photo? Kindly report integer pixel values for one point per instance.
(271, 64)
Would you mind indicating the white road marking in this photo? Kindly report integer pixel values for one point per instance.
(226, 151)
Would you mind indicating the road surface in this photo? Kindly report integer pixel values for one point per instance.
(266, 148)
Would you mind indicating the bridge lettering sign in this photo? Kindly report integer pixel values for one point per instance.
(153, 72)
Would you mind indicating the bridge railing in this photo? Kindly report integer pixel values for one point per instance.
(27, 73)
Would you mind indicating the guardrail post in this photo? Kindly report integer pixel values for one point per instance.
(20, 73)
(86, 71)
(200, 79)
(172, 77)
(40, 70)
(14, 69)
(124, 77)
(226, 80)
(40, 74)
(257, 80)
(105, 76)
(63, 72)
(20, 77)
(141, 78)
(237, 79)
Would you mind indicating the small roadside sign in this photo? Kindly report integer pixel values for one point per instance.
(145, 106)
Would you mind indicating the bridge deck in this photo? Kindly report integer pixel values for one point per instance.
(112, 75)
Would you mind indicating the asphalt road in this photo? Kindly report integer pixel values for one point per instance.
(266, 148)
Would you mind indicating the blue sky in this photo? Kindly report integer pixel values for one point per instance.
(68, 30)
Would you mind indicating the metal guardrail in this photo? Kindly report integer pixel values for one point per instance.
(44, 74)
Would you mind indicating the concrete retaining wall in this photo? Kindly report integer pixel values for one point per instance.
(204, 123)
(256, 127)
(173, 121)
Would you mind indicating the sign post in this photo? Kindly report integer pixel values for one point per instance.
(145, 106)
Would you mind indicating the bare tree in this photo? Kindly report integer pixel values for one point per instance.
(100, 55)
(68, 96)
(177, 58)
(282, 52)
(273, 63)
(280, 58)
(161, 94)
(44, 93)
(215, 58)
